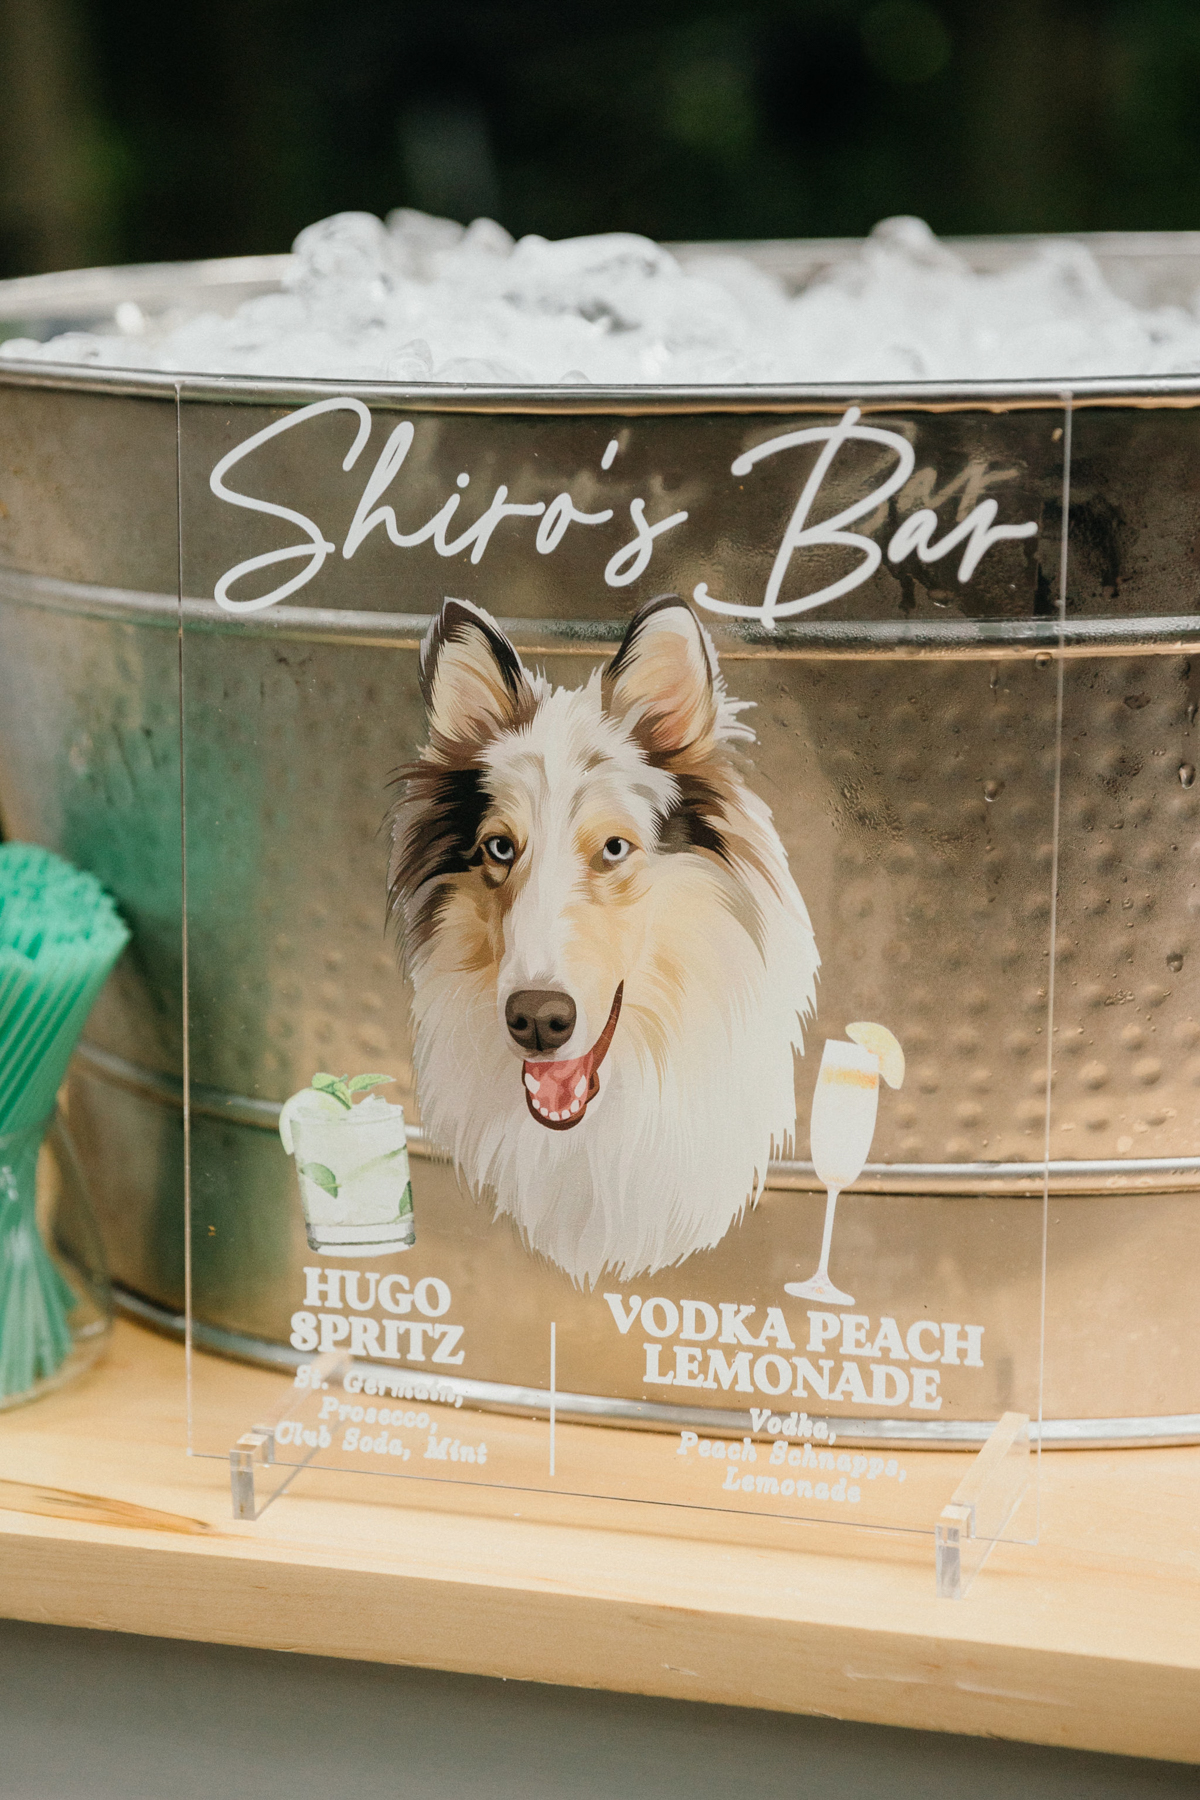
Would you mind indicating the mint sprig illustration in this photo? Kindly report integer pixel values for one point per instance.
(344, 1087)
(322, 1175)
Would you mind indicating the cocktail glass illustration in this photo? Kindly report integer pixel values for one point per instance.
(352, 1162)
(845, 1103)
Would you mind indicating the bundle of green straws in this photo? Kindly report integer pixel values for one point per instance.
(60, 934)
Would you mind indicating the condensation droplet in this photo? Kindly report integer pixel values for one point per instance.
(992, 790)
(1191, 712)
(1187, 774)
(1175, 960)
(1043, 659)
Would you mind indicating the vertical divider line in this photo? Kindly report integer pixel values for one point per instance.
(553, 1387)
(185, 1019)
(1068, 399)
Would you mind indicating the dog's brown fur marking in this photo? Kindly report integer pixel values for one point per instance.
(442, 841)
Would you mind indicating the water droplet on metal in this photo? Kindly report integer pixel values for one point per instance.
(1043, 659)
(1191, 712)
(1187, 774)
(992, 790)
(1175, 960)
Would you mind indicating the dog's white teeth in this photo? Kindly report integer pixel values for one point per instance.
(531, 1084)
(556, 1115)
(576, 1105)
(542, 1110)
(580, 1088)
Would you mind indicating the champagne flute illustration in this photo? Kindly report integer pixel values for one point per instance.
(845, 1103)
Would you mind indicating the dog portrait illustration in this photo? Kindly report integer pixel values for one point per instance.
(609, 960)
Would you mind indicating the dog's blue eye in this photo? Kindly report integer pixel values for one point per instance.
(616, 849)
(500, 849)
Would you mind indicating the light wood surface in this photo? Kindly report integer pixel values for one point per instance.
(1091, 1639)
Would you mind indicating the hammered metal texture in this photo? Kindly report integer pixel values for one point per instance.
(1127, 1051)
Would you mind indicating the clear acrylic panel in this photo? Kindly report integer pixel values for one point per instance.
(620, 855)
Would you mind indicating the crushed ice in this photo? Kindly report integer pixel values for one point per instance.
(421, 299)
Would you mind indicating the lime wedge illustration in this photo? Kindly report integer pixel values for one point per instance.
(310, 1103)
(880, 1042)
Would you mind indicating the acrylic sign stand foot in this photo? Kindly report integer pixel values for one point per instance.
(257, 1446)
(982, 1505)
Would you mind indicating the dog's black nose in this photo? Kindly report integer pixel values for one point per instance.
(539, 1018)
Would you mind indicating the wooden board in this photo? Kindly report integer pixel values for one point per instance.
(1091, 1639)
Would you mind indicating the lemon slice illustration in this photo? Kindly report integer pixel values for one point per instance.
(309, 1103)
(880, 1042)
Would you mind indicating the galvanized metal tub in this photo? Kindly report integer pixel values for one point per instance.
(866, 724)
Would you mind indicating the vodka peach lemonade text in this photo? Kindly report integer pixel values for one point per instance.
(972, 536)
(847, 1358)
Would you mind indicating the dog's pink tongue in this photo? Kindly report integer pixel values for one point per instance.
(559, 1089)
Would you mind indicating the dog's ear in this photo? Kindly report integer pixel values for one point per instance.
(473, 681)
(664, 675)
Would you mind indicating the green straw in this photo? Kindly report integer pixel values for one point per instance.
(60, 935)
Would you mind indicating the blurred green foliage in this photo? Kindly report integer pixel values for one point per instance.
(133, 131)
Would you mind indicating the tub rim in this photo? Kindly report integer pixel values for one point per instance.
(27, 298)
(1145, 392)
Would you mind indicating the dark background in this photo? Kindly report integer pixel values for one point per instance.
(141, 129)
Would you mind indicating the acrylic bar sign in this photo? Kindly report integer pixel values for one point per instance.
(599, 969)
